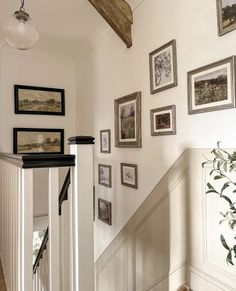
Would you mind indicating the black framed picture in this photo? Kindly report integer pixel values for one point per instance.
(39, 100)
(38, 141)
(105, 211)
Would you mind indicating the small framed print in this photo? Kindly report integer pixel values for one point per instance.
(104, 175)
(212, 87)
(129, 175)
(163, 67)
(38, 141)
(128, 132)
(39, 100)
(105, 141)
(163, 120)
(226, 13)
(105, 211)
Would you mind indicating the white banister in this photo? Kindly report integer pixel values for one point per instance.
(81, 215)
(53, 230)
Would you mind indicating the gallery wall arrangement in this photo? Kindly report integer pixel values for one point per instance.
(210, 87)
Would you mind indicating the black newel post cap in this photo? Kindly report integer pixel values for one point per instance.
(81, 140)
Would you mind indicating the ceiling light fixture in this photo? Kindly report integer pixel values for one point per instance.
(20, 31)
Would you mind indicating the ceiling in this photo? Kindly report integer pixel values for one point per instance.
(65, 26)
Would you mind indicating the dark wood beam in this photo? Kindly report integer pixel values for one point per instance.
(119, 16)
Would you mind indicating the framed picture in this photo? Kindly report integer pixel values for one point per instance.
(163, 67)
(105, 141)
(212, 87)
(38, 141)
(163, 120)
(226, 12)
(128, 121)
(39, 100)
(129, 175)
(104, 175)
(105, 211)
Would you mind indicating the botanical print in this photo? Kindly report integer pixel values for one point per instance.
(38, 142)
(162, 64)
(129, 175)
(211, 87)
(104, 211)
(104, 175)
(105, 141)
(32, 100)
(127, 117)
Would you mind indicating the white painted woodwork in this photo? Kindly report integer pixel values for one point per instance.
(81, 219)
(53, 195)
(172, 239)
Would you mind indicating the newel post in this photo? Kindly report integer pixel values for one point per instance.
(81, 215)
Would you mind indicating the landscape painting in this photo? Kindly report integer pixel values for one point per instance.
(163, 67)
(104, 211)
(128, 121)
(39, 100)
(226, 10)
(212, 87)
(38, 141)
(163, 120)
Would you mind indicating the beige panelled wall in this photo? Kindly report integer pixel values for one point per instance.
(162, 248)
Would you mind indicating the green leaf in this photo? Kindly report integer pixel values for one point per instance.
(212, 171)
(211, 191)
(226, 185)
(229, 259)
(224, 243)
(218, 177)
(234, 249)
(226, 198)
(225, 166)
(210, 186)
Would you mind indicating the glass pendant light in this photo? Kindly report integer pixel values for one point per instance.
(20, 31)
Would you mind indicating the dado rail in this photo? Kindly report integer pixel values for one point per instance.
(16, 221)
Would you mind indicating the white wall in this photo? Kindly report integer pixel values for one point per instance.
(36, 68)
(109, 71)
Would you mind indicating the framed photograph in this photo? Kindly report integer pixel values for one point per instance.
(129, 175)
(163, 120)
(163, 67)
(226, 12)
(128, 132)
(38, 141)
(105, 141)
(39, 100)
(212, 87)
(105, 211)
(104, 175)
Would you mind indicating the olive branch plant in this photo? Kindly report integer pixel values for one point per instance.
(223, 163)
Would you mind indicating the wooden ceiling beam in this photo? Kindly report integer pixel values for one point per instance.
(119, 16)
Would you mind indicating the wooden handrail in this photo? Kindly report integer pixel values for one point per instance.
(62, 197)
(39, 160)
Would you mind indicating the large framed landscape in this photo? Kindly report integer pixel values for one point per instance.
(128, 132)
(39, 100)
(38, 141)
(226, 12)
(163, 67)
(212, 87)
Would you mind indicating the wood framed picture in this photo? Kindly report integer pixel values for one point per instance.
(129, 175)
(163, 120)
(39, 100)
(128, 131)
(38, 141)
(163, 67)
(212, 87)
(104, 175)
(105, 141)
(105, 211)
(226, 13)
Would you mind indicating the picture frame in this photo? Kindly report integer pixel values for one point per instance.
(129, 175)
(163, 67)
(104, 175)
(39, 100)
(105, 211)
(212, 87)
(163, 121)
(226, 16)
(128, 131)
(105, 141)
(38, 141)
